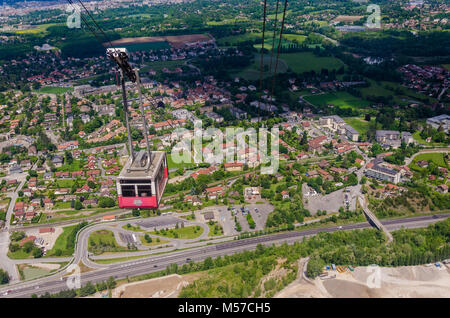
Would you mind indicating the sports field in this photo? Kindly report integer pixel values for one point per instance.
(341, 99)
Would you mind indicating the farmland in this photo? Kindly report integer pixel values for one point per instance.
(298, 62)
(252, 72)
(307, 61)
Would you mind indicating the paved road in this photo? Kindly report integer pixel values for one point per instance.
(159, 262)
(5, 262)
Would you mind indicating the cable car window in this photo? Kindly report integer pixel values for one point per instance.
(134, 181)
(144, 190)
(128, 191)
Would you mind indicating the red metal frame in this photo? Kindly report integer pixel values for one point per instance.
(138, 202)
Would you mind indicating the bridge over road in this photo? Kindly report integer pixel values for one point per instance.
(373, 219)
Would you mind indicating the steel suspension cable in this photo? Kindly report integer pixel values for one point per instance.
(279, 45)
(262, 58)
(274, 35)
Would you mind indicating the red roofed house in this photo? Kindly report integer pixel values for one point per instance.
(27, 239)
(213, 192)
(46, 230)
(76, 174)
(85, 188)
(233, 166)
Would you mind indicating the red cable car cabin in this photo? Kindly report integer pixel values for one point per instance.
(142, 188)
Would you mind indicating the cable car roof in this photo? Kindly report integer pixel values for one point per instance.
(134, 173)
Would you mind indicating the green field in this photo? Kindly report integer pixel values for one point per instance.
(227, 21)
(183, 233)
(252, 72)
(358, 123)
(103, 241)
(20, 254)
(75, 166)
(341, 99)
(154, 242)
(37, 29)
(234, 39)
(54, 90)
(297, 62)
(147, 46)
(173, 165)
(62, 183)
(307, 61)
(215, 229)
(31, 272)
(130, 227)
(158, 66)
(420, 140)
(437, 158)
(286, 40)
(400, 94)
(61, 205)
(61, 243)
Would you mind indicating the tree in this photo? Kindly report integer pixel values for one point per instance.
(68, 157)
(13, 247)
(111, 283)
(106, 202)
(4, 277)
(315, 267)
(78, 205)
(37, 252)
(28, 246)
(87, 290)
(17, 236)
(147, 238)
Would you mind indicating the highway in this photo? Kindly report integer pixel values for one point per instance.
(155, 263)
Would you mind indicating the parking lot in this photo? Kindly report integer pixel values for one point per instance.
(159, 222)
(330, 202)
(128, 239)
(259, 215)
